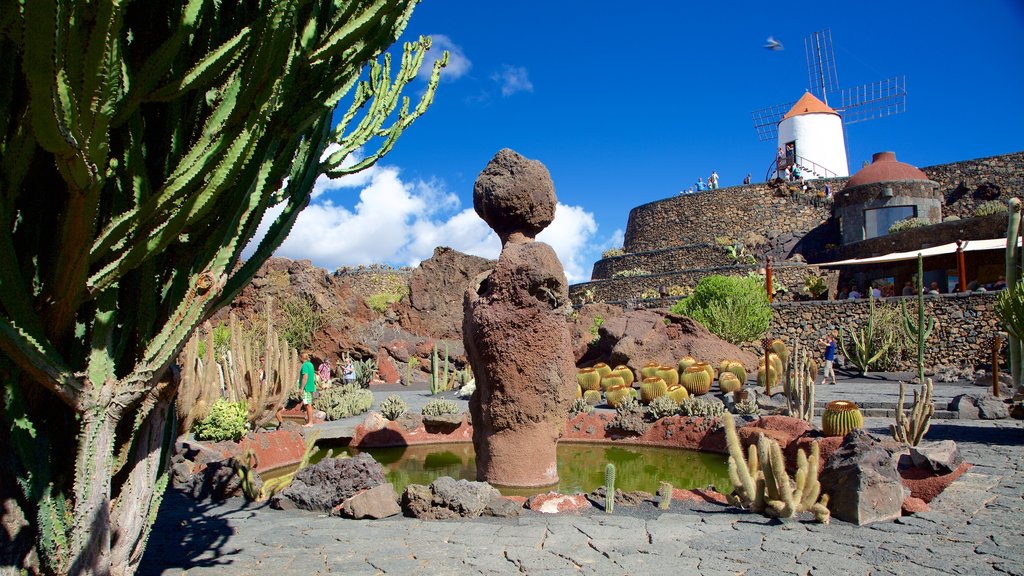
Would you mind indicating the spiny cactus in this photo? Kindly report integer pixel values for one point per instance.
(664, 495)
(762, 485)
(592, 397)
(393, 407)
(440, 407)
(668, 374)
(652, 388)
(143, 143)
(580, 405)
(677, 393)
(912, 430)
(649, 370)
(728, 382)
(696, 380)
(780, 350)
(589, 379)
(439, 380)
(701, 408)
(626, 373)
(616, 395)
(611, 381)
(686, 362)
(840, 418)
(609, 488)
(603, 369)
(1010, 306)
(865, 349)
(662, 407)
(736, 368)
(799, 385)
(921, 329)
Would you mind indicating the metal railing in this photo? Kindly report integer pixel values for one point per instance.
(804, 164)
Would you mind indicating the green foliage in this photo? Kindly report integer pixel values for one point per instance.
(699, 407)
(921, 329)
(613, 252)
(906, 224)
(365, 370)
(662, 407)
(815, 285)
(302, 319)
(227, 421)
(580, 405)
(738, 254)
(439, 379)
(989, 208)
(595, 327)
(880, 342)
(631, 273)
(664, 495)
(746, 406)
(394, 290)
(440, 407)
(142, 145)
(393, 407)
(733, 308)
(343, 401)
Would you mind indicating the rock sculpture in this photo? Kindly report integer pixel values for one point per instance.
(515, 330)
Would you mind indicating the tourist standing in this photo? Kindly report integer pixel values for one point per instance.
(908, 289)
(700, 184)
(746, 181)
(830, 356)
(713, 180)
(307, 385)
(350, 371)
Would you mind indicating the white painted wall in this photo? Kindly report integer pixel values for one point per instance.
(819, 138)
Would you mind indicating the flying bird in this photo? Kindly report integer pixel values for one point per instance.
(773, 44)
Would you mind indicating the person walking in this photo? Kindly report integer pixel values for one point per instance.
(830, 357)
(307, 385)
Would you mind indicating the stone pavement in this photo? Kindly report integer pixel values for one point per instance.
(975, 527)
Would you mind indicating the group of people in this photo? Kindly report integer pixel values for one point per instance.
(711, 184)
(909, 289)
(308, 380)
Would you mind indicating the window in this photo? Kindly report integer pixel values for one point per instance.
(878, 220)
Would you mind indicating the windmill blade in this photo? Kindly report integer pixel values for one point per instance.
(766, 120)
(874, 100)
(822, 76)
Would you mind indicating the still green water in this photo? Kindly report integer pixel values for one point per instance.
(580, 467)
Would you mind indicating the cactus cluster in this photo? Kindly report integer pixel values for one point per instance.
(696, 379)
(440, 407)
(699, 407)
(580, 405)
(662, 407)
(439, 379)
(762, 485)
(609, 488)
(799, 385)
(393, 407)
(651, 389)
(912, 430)
(343, 401)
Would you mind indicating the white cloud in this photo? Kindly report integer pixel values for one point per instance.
(400, 223)
(513, 79)
(458, 63)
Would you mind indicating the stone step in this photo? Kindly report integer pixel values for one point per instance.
(890, 413)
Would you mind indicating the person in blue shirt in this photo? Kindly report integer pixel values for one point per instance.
(829, 342)
(700, 185)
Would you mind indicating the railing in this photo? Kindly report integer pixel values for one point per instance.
(804, 164)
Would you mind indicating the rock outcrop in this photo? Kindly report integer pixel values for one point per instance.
(515, 330)
(447, 498)
(862, 481)
(325, 485)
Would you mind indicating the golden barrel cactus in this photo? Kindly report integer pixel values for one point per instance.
(617, 394)
(649, 370)
(612, 380)
(686, 362)
(696, 380)
(652, 388)
(592, 397)
(626, 373)
(840, 418)
(603, 369)
(589, 379)
(728, 382)
(668, 374)
(677, 393)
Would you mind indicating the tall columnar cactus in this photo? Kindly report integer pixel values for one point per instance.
(799, 386)
(920, 329)
(142, 144)
(1010, 307)
(609, 488)
(912, 430)
(664, 495)
(439, 380)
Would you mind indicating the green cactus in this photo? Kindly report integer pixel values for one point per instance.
(393, 407)
(649, 370)
(616, 395)
(664, 495)
(696, 380)
(143, 143)
(919, 330)
(1010, 307)
(668, 374)
(603, 369)
(592, 397)
(865, 349)
(912, 430)
(609, 488)
(840, 418)
(589, 379)
(677, 393)
(799, 385)
(780, 350)
(625, 373)
(652, 388)
(728, 382)
(686, 362)
(611, 381)
(439, 379)
(736, 368)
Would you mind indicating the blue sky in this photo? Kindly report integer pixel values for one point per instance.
(627, 104)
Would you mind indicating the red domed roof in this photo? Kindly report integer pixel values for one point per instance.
(809, 104)
(884, 168)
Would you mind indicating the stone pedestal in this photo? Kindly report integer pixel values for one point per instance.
(515, 331)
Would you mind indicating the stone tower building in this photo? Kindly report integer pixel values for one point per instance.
(811, 138)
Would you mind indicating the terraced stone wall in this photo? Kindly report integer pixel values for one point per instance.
(966, 324)
(969, 183)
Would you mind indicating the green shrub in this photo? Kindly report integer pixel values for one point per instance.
(989, 208)
(733, 308)
(612, 252)
(393, 407)
(227, 421)
(631, 273)
(440, 407)
(906, 224)
(391, 294)
(815, 285)
(595, 327)
(343, 401)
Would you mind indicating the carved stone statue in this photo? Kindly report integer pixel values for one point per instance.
(515, 330)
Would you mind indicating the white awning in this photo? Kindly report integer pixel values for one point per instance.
(969, 246)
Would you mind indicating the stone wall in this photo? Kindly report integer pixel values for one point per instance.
(967, 184)
(962, 337)
(791, 275)
(664, 260)
(980, 228)
(735, 211)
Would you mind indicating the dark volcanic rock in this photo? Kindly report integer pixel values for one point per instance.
(979, 405)
(217, 481)
(436, 290)
(514, 194)
(862, 482)
(447, 498)
(515, 331)
(938, 457)
(326, 484)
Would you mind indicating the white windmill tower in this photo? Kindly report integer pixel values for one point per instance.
(809, 132)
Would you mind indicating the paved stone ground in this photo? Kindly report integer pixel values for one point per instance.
(975, 527)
